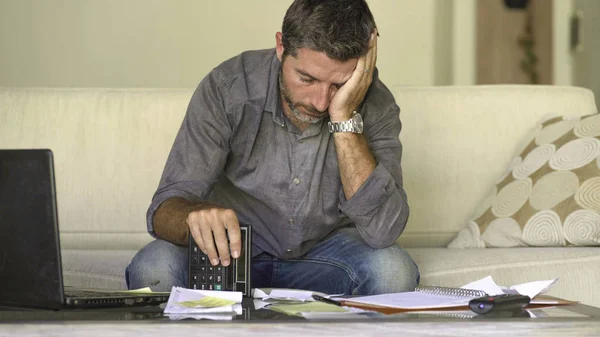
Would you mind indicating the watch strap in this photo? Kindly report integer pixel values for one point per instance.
(345, 126)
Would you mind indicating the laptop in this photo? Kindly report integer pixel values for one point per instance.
(30, 260)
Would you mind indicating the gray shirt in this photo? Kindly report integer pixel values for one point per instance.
(236, 148)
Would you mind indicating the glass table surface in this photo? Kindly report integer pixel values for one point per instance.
(250, 314)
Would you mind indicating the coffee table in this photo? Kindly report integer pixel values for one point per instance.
(571, 320)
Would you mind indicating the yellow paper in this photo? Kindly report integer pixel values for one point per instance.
(138, 291)
(146, 290)
(295, 309)
(207, 302)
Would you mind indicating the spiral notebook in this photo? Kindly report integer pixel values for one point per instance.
(422, 298)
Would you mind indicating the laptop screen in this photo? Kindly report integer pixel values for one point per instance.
(30, 265)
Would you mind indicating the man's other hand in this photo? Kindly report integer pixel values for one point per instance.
(219, 223)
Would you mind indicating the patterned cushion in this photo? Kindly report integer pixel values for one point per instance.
(549, 196)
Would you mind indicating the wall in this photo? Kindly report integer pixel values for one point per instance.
(126, 43)
(174, 43)
(463, 42)
(500, 30)
(443, 42)
(586, 66)
(563, 60)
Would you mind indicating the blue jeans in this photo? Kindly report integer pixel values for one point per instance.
(341, 264)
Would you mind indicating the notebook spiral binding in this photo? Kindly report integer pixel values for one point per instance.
(454, 292)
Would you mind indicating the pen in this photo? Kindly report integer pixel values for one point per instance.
(326, 300)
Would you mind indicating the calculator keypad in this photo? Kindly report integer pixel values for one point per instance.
(205, 276)
(235, 277)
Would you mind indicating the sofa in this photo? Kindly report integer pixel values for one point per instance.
(110, 146)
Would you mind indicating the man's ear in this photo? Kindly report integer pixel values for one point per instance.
(279, 45)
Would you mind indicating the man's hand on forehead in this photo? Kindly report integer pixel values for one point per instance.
(351, 94)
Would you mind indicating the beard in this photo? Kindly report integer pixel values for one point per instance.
(294, 106)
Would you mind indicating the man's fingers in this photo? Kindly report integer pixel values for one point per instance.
(374, 49)
(209, 242)
(222, 246)
(217, 233)
(233, 232)
(371, 56)
(192, 222)
(361, 71)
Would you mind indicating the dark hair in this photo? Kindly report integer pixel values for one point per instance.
(339, 28)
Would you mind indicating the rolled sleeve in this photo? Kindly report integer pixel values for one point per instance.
(379, 208)
(199, 151)
(373, 193)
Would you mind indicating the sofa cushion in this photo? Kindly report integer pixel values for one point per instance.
(578, 268)
(95, 269)
(110, 147)
(457, 142)
(550, 194)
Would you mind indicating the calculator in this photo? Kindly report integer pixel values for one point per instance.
(235, 277)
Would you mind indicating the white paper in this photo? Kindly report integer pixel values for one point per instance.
(182, 295)
(259, 293)
(288, 295)
(486, 284)
(531, 289)
(296, 295)
(411, 300)
(217, 316)
(259, 304)
(284, 295)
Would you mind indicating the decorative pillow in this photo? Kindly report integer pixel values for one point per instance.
(550, 195)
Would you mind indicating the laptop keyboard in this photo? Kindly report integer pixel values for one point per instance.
(94, 294)
(84, 298)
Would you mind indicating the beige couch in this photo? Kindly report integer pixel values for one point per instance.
(110, 146)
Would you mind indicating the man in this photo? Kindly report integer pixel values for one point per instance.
(273, 138)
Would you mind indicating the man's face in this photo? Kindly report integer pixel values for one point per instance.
(309, 81)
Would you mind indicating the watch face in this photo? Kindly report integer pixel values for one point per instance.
(357, 122)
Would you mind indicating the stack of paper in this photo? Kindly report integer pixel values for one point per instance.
(203, 304)
(266, 297)
(285, 295)
(301, 303)
(417, 300)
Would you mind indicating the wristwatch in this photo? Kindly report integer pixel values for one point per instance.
(354, 124)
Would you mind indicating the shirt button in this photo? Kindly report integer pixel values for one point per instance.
(288, 250)
(296, 180)
(291, 221)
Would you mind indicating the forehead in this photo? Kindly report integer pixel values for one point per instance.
(320, 66)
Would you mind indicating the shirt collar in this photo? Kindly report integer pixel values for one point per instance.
(273, 103)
